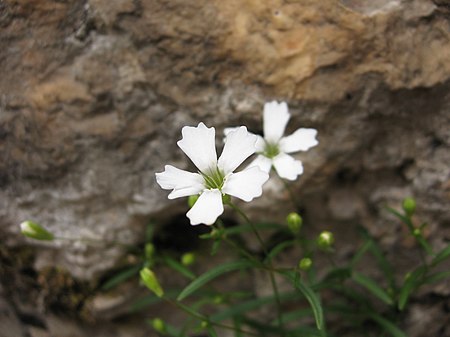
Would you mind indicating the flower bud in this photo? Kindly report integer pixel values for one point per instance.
(325, 240)
(409, 206)
(149, 251)
(192, 200)
(417, 232)
(159, 325)
(151, 282)
(294, 221)
(35, 231)
(187, 259)
(305, 263)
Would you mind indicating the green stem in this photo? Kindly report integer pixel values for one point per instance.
(269, 261)
(205, 318)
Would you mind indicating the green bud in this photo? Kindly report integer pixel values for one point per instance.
(149, 251)
(417, 232)
(305, 263)
(187, 259)
(204, 324)
(151, 282)
(35, 231)
(409, 206)
(294, 221)
(193, 199)
(219, 299)
(159, 325)
(325, 240)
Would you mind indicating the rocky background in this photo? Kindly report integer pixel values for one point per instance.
(93, 96)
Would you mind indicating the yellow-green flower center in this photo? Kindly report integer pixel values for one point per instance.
(214, 179)
(271, 150)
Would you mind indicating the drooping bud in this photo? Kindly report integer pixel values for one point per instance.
(187, 259)
(409, 206)
(294, 221)
(325, 240)
(159, 325)
(305, 263)
(35, 231)
(151, 282)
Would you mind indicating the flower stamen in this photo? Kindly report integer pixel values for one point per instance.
(214, 179)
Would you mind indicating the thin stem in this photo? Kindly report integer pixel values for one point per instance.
(292, 196)
(269, 261)
(205, 318)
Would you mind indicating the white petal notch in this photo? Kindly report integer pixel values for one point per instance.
(215, 177)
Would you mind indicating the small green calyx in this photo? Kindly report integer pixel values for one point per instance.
(271, 150)
(35, 231)
(214, 179)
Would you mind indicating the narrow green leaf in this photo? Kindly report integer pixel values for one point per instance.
(279, 248)
(387, 325)
(361, 252)
(436, 277)
(441, 256)
(373, 287)
(212, 331)
(177, 266)
(311, 297)
(241, 308)
(121, 277)
(410, 284)
(212, 274)
(377, 252)
(402, 218)
(314, 302)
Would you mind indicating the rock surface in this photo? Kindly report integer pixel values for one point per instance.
(94, 94)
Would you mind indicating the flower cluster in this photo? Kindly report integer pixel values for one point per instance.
(216, 179)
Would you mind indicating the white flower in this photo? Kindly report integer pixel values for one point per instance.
(215, 177)
(274, 149)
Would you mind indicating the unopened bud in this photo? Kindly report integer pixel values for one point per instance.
(187, 259)
(151, 282)
(204, 324)
(159, 325)
(409, 206)
(35, 231)
(417, 232)
(325, 240)
(294, 221)
(149, 251)
(192, 200)
(305, 263)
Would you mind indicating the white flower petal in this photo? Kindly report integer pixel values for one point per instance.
(287, 167)
(182, 182)
(262, 162)
(246, 184)
(239, 145)
(199, 145)
(276, 117)
(260, 144)
(207, 208)
(301, 140)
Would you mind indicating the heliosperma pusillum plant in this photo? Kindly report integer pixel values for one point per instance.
(354, 299)
(215, 183)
